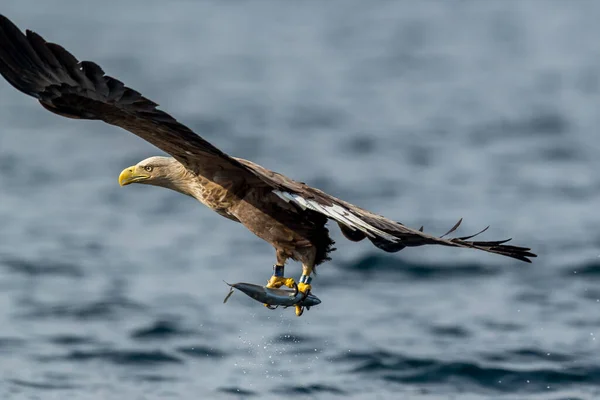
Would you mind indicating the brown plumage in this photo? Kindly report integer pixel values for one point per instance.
(288, 214)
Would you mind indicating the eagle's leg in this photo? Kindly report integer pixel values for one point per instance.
(278, 279)
(305, 279)
(304, 285)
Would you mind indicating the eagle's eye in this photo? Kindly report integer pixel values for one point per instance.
(148, 168)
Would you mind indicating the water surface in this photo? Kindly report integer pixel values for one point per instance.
(425, 112)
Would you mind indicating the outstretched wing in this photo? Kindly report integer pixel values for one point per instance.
(357, 223)
(76, 89)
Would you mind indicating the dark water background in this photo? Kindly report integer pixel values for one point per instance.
(422, 111)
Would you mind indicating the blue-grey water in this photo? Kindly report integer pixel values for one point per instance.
(422, 111)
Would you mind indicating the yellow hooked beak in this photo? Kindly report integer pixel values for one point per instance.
(132, 175)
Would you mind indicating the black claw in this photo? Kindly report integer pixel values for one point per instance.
(305, 295)
(270, 307)
(296, 289)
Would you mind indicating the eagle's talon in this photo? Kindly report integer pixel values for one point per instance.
(304, 288)
(306, 294)
(278, 281)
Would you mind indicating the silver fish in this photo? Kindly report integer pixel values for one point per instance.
(274, 297)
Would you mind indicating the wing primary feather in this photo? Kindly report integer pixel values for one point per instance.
(95, 74)
(115, 87)
(27, 54)
(477, 234)
(455, 227)
(38, 44)
(493, 243)
(71, 65)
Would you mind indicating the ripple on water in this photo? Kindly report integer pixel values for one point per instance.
(161, 330)
(313, 389)
(197, 351)
(452, 331)
(237, 391)
(501, 326)
(589, 270)
(528, 355)
(544, 124)
(11, 344)
(40, 268)
(154, 378)
(42, 385)
(96, 310)
(71, 340)
(402, 369)
(498, 379)
(118, 357)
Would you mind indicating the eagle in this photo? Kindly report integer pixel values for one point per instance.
(290, 215)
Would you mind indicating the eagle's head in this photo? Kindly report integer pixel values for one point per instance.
(158, 171)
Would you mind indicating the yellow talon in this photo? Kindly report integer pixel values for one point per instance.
(278, 281)
(304, 287)
(290, 282)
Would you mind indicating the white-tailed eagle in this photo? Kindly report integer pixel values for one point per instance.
(288, 214)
